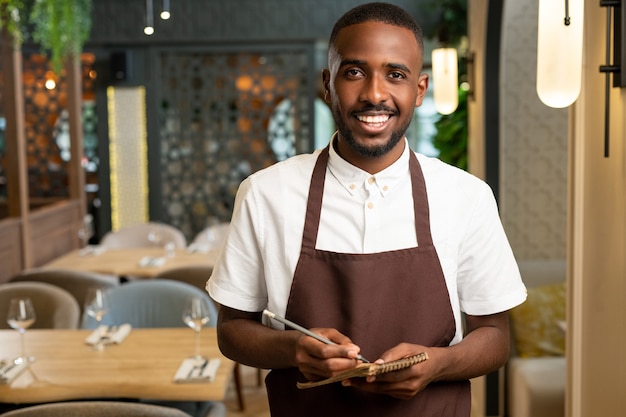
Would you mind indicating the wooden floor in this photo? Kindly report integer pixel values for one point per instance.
(255, 396)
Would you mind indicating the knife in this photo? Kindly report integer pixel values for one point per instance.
(6, 370)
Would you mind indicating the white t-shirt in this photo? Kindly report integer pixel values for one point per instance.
(364, 213)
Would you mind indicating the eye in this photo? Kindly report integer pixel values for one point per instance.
(396, 75)
(354, 73)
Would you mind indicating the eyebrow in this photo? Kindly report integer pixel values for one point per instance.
(361, 62)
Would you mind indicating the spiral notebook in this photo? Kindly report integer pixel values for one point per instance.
(367, 369)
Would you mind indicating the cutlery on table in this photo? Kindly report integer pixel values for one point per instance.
(5, 369)
(199, 368)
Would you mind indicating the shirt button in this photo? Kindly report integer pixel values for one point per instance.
(385, 187)
(370, 205)
(352, 186)
(371, 180)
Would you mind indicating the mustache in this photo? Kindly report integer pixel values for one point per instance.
(375, 108)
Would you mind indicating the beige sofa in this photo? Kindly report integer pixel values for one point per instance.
(536, 372)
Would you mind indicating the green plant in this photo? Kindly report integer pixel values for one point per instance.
(451, 136)
(60, 27)
(12, 13)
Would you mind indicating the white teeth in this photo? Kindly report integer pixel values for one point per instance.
(374, 119)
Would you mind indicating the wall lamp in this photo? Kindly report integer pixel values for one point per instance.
(618, 13)
(559, 51)
(445, 79)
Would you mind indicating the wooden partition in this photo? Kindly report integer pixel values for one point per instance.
(35, 232)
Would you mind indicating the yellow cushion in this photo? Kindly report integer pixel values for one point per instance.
(535, 323)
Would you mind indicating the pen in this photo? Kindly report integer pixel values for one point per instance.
(305, 331)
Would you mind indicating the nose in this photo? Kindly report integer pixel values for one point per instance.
(374, 90)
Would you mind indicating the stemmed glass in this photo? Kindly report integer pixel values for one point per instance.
(96, 306)
(196, 316)
(85, 232)
(20, 317)
(155, 237)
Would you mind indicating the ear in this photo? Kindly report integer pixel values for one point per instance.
(326, 84)
(422, 87)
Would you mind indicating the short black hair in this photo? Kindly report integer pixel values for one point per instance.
(377, 12)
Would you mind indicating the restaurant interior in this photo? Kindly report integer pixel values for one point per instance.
(123, 165)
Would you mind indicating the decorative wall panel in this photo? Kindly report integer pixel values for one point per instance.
(533, 145)
(224, 115)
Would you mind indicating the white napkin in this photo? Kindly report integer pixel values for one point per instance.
(103, 331)
(188, 371)
(198, 248)
(93, 250)
(7, 375)
(152, 261)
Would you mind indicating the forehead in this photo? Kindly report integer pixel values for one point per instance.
(377, 40)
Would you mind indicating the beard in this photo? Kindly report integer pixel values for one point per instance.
(373, 151)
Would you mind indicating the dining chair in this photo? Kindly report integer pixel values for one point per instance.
(150, 303)
(211, 237)
(198, 275)
(75, 282)
(144, 235)
(96, 409)
(55, 308)
(157, 303)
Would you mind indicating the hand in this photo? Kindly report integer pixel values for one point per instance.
(317, 360)
(405, 383)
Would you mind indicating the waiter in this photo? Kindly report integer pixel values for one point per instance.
(384, 251)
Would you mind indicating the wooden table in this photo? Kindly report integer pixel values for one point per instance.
(125, 262)
(142, 366)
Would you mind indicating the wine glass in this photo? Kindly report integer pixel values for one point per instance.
(196, 316)
(155, 237)
(96, 306)
(20, 317)
(86, 232)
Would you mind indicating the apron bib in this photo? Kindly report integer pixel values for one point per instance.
(378, 300)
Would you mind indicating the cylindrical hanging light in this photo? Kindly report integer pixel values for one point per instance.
(445, 80)
(149, 28)
(166, 13)
(559, 51)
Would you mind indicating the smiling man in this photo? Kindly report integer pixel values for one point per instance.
(383, 251)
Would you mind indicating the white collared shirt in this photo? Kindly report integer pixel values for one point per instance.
(364, 213)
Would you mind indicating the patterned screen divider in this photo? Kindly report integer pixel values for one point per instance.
(222, 116)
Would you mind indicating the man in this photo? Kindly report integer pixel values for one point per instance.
(371, 245)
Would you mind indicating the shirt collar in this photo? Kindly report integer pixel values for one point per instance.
(353, 178)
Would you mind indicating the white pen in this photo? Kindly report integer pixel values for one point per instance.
(305, 331)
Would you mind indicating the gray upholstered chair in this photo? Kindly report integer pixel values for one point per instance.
(74, 282)
(138, 236)
(55, 308)
(150, 303)
(96, 409)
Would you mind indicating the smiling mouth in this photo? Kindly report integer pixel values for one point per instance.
(376, 121)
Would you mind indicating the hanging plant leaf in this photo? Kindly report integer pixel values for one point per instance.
(61, 27)
(12, 18)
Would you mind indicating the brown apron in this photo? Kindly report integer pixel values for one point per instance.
(378, 300)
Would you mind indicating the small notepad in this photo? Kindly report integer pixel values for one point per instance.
(368, 369)
(190, 371)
